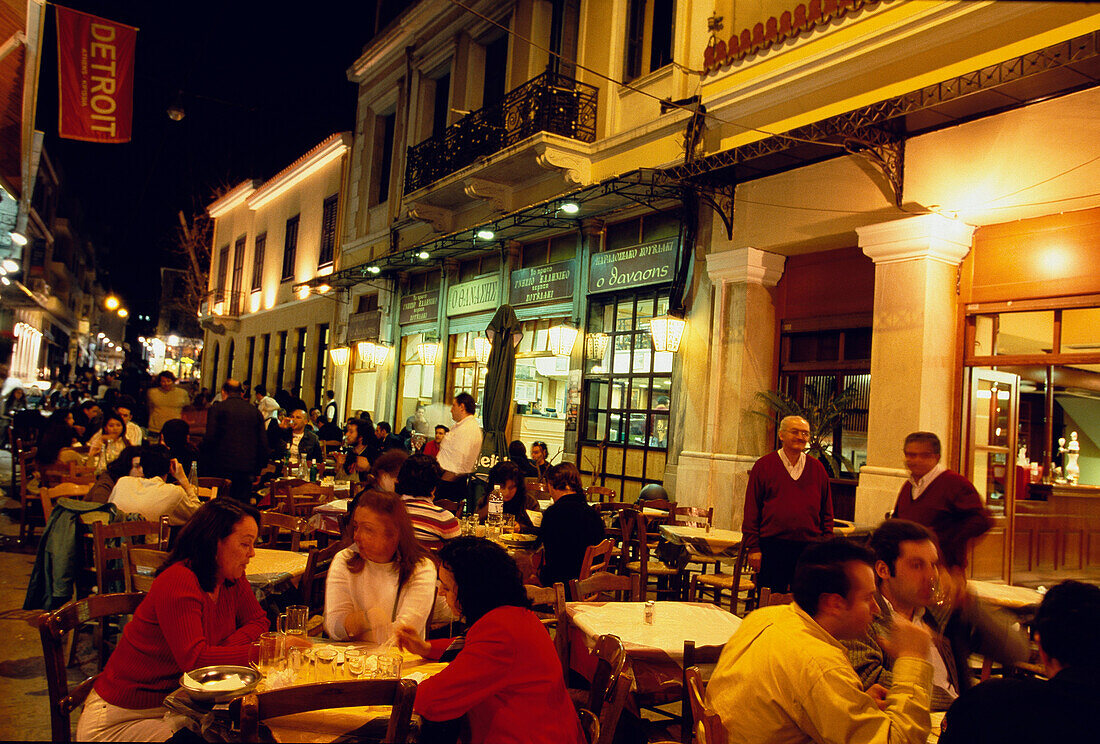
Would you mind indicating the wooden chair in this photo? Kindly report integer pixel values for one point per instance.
(768, 598)
(139, 566)
(707, 725)
(693, 657)
(256, 707)
(272, 527)
(54, 628)
(301, 500)
(597, 558)
(447, 504)
(552, 597)
(738, 583)
(48, 496)
(636, 555)
(217, 485)
(600, 494)
(127, 534)
(206, 494)
(697, 516)
(610, 656)
(601, 585)
(312, 584)
(590, 725)
(27, 497)
(612, 711)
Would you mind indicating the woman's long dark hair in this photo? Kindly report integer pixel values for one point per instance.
(197, 543)
(389, 505)
(486, 577)
(504, 472)
(565, 477)
(112, 416)
(57, 437)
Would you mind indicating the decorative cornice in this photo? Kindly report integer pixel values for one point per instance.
(747, 265)
(442, 220)
(232, 199)
(333, 148)
(928, 236)
(499, 195)
(576, 169)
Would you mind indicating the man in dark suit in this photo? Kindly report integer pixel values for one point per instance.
(235, 443)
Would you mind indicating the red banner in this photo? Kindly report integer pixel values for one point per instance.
(95, 70)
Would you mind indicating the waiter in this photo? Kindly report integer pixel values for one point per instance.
(459, 450)
(788, 506)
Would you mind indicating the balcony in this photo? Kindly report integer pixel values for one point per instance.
(222, 303)
(551, 103)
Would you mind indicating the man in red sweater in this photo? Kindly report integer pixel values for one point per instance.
(788, 506)
(940, 499)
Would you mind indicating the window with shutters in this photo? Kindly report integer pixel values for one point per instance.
(290, 248)
(258, 262)
(328, 232)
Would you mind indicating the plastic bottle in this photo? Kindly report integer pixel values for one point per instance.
(495, 515)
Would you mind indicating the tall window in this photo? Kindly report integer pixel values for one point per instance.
(265, 354)
(238, 275)
(649, 35)
(440, 104)
(214, 366)
(251, 358)
(230, 359)
(496, 68)
(322, 364)
(328, 231)
(290, 248)
(280, 365)
(258, 262)
(627, 392)
(383, 156)
(299, 362)
(467, 374)
(223, 269)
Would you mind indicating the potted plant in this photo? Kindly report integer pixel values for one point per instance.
(823, 411)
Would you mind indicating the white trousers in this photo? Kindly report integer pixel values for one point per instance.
(101, 721)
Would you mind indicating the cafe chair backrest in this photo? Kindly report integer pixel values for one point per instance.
(613, 710)
(139, 566)
(273, 524)
(447, 504)
(218, 485)
(597, 558)
(610, 656)
(769, 598)
(312, 584)
(554, 598)
(109, 543)
(600, 493)
(256, 707)
(49, 496)
(708, 725)
(693, 516)
(606, 586)
(54, 629)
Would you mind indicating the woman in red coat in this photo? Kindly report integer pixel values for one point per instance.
(507, 679)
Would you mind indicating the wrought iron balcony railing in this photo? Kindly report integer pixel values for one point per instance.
(551, 102)
(222, 303)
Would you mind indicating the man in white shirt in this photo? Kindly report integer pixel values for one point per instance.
(151, 496)
(459, 450)
(267, 405)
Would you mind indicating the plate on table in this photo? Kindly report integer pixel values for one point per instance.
(519, 538)
(219, 683)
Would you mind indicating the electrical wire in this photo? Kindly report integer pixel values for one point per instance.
(1046, 180)
(663, 101)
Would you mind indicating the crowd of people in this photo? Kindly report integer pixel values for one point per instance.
(875, 638)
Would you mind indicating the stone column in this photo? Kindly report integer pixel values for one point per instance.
(735, 349)
(912, 346)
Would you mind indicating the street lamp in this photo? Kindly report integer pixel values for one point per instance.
(111, 303)
(123, 312)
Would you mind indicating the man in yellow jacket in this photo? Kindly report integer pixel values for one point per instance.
(784, 677)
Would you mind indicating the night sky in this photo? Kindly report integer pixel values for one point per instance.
(260, 86)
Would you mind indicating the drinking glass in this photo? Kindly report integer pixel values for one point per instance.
(271, 653)
(509, 524)
(939, 590)
(389, 666)
(354, 662)
(295, 662)
(296, 618)
(326, 663)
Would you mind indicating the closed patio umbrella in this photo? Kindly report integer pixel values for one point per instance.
(504, 332)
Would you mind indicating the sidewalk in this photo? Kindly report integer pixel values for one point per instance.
(24, 702)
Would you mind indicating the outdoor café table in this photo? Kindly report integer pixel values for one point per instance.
(274, 571)
(655, 652)
(845, 528)
(326, 517)
(215, 722)
(713, 542)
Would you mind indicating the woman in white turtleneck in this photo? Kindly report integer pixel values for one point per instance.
(384, 578)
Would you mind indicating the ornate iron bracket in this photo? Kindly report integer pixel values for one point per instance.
(884, 150)
(720, 199)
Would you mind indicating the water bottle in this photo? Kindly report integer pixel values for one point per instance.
(496, 510)
(312, 471)
(193, 476)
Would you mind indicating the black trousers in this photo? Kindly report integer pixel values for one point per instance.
(777, 561)
(240, 485)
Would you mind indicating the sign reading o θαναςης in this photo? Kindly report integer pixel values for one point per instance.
(419, 307)
(636, 266)
(474, 296)
(542, 283)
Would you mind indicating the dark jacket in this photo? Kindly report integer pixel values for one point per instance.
(569, 526)
(235, 440)
(309, 447)
(60, 558)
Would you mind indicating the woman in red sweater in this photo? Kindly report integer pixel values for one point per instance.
(507, 680)
(200, 611)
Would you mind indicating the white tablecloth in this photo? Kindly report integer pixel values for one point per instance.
(1004, 595)
(712, 542)
(674, 623)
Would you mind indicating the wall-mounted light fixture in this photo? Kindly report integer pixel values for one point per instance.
(340, 355)
(561, 338)
(596, 345)
(428, 351)
(482, 348)
(667, 330)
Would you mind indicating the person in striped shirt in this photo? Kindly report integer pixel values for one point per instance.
(416, 482)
